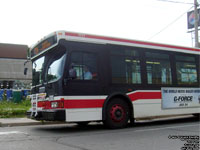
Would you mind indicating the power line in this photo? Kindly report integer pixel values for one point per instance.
(176, 2)
(170, 24)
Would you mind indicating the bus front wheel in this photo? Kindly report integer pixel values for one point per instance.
(196, 115)
(83, 124)
(117, 114)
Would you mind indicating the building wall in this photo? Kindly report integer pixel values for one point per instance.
(12, 59)
(12, 72)
(14, 51)
(13, 69)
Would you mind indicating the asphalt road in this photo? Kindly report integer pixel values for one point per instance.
(171, 134)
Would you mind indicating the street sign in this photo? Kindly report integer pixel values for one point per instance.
(191, 19)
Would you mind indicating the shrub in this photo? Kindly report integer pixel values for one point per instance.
(10, 109)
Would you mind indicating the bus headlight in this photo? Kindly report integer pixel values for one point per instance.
(58, 104)
(54, 104)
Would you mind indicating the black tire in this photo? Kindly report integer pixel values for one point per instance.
(197, 115)
(83, 124)
(117, 114)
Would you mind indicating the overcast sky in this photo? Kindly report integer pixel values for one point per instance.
(27, 21)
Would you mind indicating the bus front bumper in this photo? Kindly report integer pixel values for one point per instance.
(48, 115)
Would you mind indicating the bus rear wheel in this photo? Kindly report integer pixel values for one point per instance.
(117, 114)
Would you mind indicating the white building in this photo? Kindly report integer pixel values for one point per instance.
(12, 59)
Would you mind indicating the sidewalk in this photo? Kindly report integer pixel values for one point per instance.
(10, 122)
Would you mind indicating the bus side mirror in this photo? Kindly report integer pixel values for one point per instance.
(25, 71)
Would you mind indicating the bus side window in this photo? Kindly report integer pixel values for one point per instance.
(125, 66)
(85, 65)
(72, 71)
(158, 68)
(186, 70)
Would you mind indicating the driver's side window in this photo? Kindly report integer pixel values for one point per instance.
(83, 66)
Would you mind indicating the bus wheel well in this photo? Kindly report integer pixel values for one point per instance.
(121, 97)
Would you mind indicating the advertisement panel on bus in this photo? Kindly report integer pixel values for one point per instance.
(180, 97)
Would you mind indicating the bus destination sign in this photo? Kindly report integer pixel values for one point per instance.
(43, 45)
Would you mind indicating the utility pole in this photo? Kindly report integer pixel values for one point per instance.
(196, 17)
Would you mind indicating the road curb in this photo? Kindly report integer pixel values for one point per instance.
(19, 124)
(12, 122)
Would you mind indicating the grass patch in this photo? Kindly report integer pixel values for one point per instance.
(9, 109)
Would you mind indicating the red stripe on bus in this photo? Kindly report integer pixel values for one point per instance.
(40, 104)
(130, 41)
(44, 104)
(95, 103)
(145, 95)
(98, 103)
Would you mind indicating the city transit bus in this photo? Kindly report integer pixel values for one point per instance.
(83, 78)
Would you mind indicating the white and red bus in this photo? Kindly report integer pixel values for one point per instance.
(82, 78)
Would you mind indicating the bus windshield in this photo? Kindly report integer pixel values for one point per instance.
(55, 68)
(37, 71)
